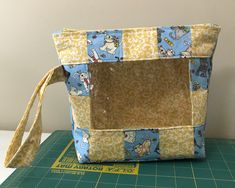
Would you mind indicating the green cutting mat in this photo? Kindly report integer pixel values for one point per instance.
(56, 166)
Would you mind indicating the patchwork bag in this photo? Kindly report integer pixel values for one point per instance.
(136, 94)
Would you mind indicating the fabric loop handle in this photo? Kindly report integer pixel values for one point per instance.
(21, 154)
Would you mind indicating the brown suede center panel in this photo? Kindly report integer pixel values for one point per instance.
(141, 94)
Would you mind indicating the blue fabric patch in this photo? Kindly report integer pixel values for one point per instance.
(71, 120)
(174, 41)
(78, 80)
(104, 46)
(141, 144)
(81, 142)
(199, 141)
(200, 72)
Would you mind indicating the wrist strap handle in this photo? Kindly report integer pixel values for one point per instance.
(21, 154)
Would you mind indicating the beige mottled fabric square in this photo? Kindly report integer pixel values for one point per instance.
(106, 145)
(203, 37)
(140, 44)
(199, 106)
(176, 142)
(81, 111)
(71, 47)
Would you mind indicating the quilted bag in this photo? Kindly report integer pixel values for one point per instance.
(137, 94)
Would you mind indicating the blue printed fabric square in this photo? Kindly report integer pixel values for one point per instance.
(78, 79)
(141, 144)
(200, 72)
(199, 141)
(81, 142)
(104, 46)
(174, 41)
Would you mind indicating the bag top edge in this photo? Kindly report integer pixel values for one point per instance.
(194, 26)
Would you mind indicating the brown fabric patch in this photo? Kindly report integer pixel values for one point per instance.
(106, 146)
(81, 111)
(141, 94)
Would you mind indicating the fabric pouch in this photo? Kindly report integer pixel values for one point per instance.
(136, 94)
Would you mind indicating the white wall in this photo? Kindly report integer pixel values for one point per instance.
(27, 51)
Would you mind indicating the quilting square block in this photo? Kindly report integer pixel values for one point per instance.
(71, 47)
(176, 142)
(199, 106)
(81, 142)
(204, 39)
(104, 46)
(199, 141)
(141, 144)
(78, 79)
(200, 72)
(106, 146)
(174, 41)
(80, 110)
(140, 44)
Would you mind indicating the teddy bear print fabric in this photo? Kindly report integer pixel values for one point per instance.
(199, 140)
(78, 79)
(141, 144)
(174, 41)
(200, 72)
(81, 142)
(104, 46)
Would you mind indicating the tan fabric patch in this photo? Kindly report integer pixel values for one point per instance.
(81, 111)
(71, 47)
(106, 146)
(140, 43)
(199, 106)
(204, 38)
(176, 142)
